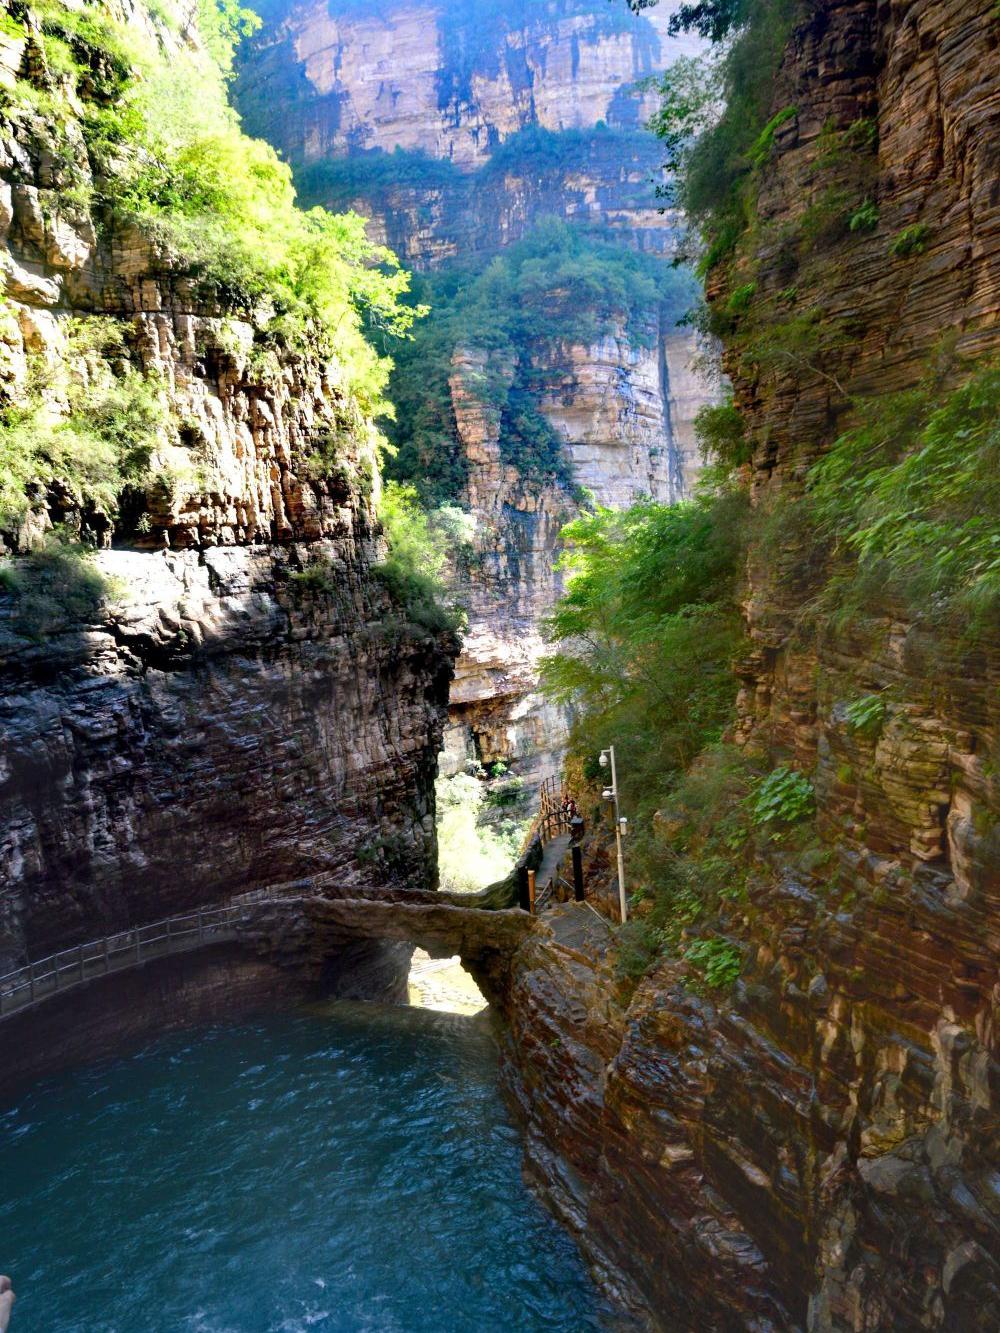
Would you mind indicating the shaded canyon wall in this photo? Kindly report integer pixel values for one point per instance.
(213, 724)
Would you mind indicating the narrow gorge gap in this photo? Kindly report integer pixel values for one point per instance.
(405, 407)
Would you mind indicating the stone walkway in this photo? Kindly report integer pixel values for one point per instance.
(577, 927)
(444, 985)
(551, 858)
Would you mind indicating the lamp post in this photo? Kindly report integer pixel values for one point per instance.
(611, 794)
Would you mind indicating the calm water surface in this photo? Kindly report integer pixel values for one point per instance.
(351, 1169)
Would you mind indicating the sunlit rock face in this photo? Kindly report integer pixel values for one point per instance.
(456, 129)
(216, 725)
(452, 81)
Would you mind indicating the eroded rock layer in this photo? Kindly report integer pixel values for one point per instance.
(213, 721)
(823, 1150)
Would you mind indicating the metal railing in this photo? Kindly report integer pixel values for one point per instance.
(63, 971)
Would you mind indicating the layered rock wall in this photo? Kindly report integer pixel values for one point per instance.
(457, 129)
(821, 1150)
(449, 81)
(215, 721)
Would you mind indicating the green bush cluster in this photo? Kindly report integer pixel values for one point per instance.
(721, 434)
(866, 716)
(414, 569)
(558, 285)
(644, 637)
(88, 421)
(167, 155)
(718, 960)
(713, 155)
(472, 853)
(783, 797)
(909, 500)
(865, 217)
(692, 861)
(910, 241)
(54, 587)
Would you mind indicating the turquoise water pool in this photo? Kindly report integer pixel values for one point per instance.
(346, 1169)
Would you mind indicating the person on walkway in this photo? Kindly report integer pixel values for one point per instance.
(6, 1301)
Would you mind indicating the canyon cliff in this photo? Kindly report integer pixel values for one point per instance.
(226, 694)
(229, 693)
(458, 130)
(820, 1148)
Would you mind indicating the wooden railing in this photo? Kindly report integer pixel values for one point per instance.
(552, 819)
(63, 971)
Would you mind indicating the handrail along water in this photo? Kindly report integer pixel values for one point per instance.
(44, 977)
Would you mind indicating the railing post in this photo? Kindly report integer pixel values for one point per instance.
(523, 899)
(531, 892)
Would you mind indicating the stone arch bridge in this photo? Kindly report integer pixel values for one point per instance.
(304, 927)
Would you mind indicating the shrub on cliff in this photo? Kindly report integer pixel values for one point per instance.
(167, 154)
(471, 853)
(910, 500)
(55, 587)
(645, 635)
(716, 115)
(418, 547)
(80, 423)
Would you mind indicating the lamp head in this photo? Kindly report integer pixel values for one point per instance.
(608, 794)
(603, 761)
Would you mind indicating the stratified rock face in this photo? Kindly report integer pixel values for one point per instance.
(627, 433)
(456, 128)
(218, 724)
(822, 1149)
(510, 583)
(451, 80)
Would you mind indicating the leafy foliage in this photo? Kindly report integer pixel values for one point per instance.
(910, 241)
(716, 958)
(79, 423)
(866, 715)
(783, 797)
(714, 152)
(168, 155)
(721, 433)
(471, 853)
(646, 632)
(54, 587)
(223, 24)
(910, 498)
(692, 863)
(414, 568)
(865, 217)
